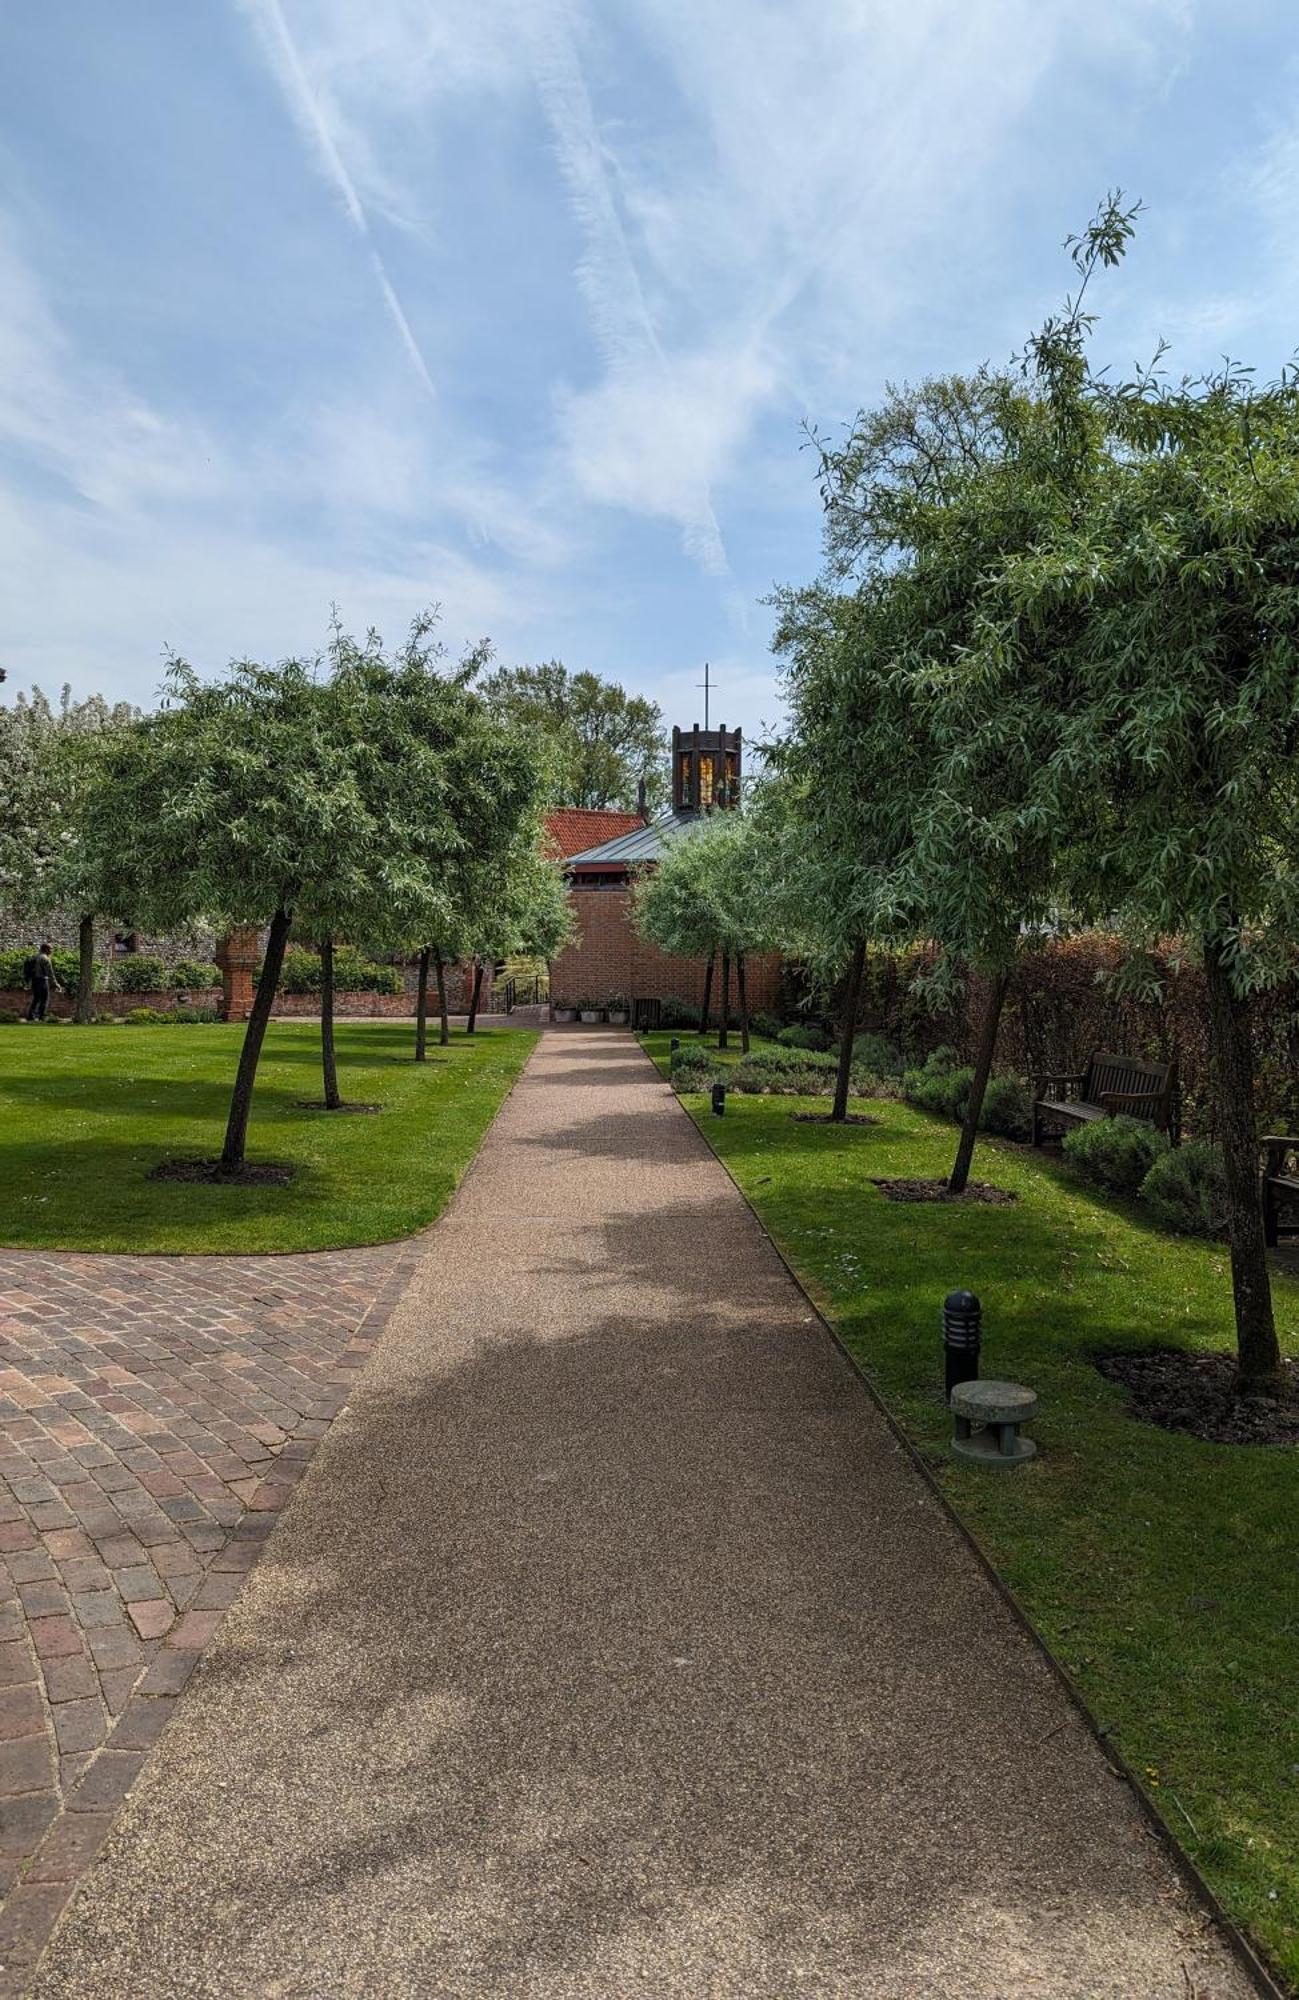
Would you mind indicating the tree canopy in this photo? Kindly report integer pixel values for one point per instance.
(600, 740)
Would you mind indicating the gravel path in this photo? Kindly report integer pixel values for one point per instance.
(612, 1648)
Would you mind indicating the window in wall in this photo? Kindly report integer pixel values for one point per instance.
(705, 781)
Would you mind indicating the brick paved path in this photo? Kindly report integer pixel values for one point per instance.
(155, 1413)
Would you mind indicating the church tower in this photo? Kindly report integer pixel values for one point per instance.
(705, 769)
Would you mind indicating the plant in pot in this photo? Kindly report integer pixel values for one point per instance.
(565, 1010)
(590, 1010)
(616, 1010)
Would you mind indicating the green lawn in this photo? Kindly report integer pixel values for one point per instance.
(85, 1113)
(1161, 1572)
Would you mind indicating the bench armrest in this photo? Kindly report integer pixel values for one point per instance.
(1112, 1097)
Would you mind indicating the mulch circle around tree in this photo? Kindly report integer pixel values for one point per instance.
(318, 1104)
(910, 1190)
(1196, 1393)
(257, 1173)
(824, 1118)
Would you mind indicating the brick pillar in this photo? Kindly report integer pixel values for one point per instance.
(237, 955)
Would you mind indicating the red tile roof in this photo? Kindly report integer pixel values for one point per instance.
(572, 829)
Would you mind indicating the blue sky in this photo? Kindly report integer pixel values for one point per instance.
(519, 305)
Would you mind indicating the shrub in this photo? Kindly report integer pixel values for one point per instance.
(1186, 1189)
(353, 972)
(192, 974)
(877, 1054)
(67, 966)
(168, 1017)
(1007, 1108)
(766, 1024)
(674, 1013)
(804, 1038)
(945, 1091)
(783, 1061)
(690, 1069)
(140, 974)
(1115, 1153)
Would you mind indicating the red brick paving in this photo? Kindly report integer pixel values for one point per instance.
(155, 1413)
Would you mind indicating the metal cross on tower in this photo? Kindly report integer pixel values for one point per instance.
(706, 684)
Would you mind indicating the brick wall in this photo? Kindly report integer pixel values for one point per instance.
(383, 1006)
(17, 1001)
(607, 956)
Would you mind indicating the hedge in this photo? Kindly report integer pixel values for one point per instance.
(353, 972)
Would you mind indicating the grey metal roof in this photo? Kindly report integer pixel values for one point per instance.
(643, 843)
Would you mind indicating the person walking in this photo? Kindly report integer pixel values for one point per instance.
(43, 977)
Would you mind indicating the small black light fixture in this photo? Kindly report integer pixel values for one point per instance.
(674, 1044)
(962, 1338)
(719, 1100)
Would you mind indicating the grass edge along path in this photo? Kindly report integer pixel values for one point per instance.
(1159, 1571)
(86, 1113)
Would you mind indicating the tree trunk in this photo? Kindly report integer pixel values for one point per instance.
(725, 1016)
(744, 1003)
(421, 1007)
(472, 1022)
(708, 993)
(232, 1153)
(328, 1062)
(1258, 1356)
(85, 970)
(960, 1173)
(445, 1035)
(852, 999)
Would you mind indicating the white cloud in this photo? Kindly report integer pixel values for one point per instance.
(83, 425)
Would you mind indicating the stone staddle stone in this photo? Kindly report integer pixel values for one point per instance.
(994, 1402)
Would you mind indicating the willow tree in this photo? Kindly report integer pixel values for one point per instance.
(932, 499)
(239, 798)
(1186, 582)
(708, 894)
(459, 789)
(836, 816)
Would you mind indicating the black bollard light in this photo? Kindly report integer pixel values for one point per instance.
(962, 1338)
(719, 1100)
(674, 1044)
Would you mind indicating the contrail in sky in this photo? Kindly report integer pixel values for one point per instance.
(268, 19)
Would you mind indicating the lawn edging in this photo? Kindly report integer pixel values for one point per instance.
(1252, 1961)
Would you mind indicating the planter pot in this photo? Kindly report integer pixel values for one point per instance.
(565, 1013)
(617, 1020)
(590, 1014)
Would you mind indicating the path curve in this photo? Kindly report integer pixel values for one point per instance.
(613, 1649)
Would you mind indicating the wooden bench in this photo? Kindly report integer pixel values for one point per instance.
(645, 1014)
(1109, 1085)
(1280, 1182)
